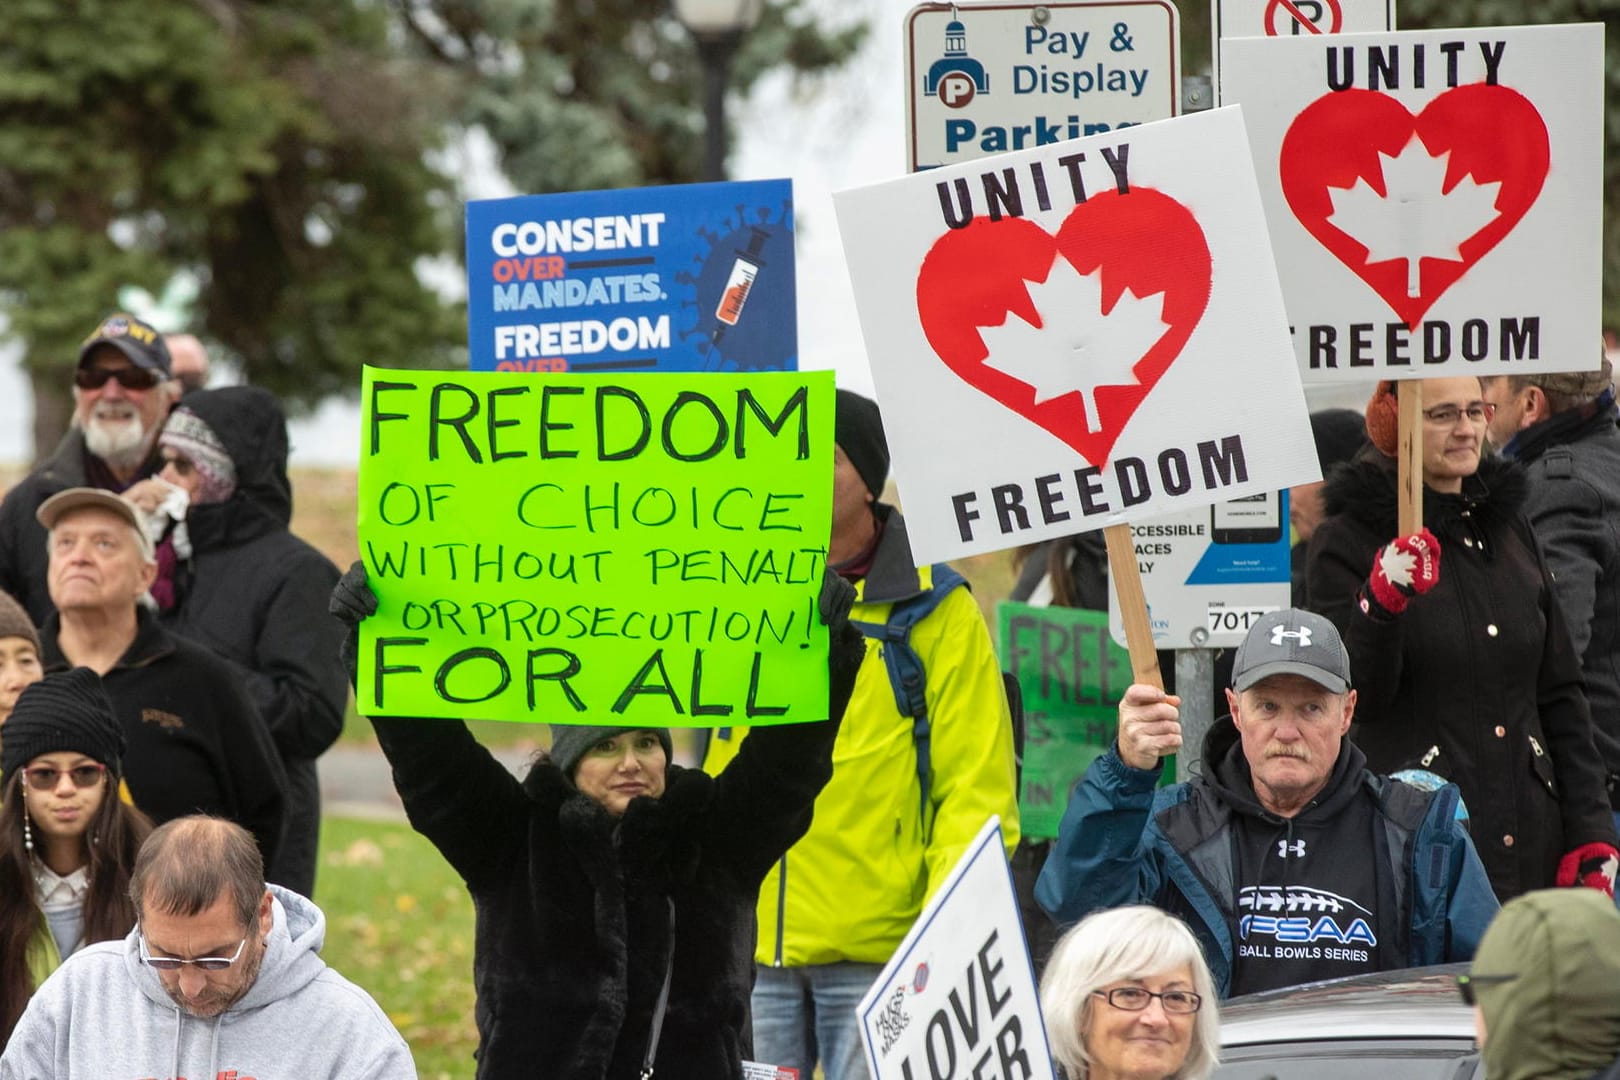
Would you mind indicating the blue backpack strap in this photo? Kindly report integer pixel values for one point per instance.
(907, 676)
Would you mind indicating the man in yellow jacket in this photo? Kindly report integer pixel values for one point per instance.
(885, 832)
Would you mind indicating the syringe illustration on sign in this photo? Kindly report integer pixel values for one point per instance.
(738, 285)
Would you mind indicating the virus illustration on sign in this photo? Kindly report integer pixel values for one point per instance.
(743, 292)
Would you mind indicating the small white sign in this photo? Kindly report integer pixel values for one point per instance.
(988, 78)
(1292, 18)
(958, 998)
(1207, 574)
(1435, 198)
(1077, 336)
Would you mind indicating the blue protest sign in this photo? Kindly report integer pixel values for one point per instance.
(694, 277)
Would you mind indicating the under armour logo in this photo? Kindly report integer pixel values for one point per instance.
(1302, 635)
(1285, 849)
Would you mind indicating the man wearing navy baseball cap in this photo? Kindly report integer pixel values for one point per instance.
(122, 392)
(1288, 859)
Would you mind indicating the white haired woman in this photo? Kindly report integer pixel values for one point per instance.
(1127, 996)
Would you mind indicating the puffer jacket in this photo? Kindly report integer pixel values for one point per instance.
(851, 889)
(256, 596)
(1573, 503)
(1477, 680)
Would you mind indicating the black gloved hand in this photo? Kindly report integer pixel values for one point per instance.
(352, 600)
(847, 646)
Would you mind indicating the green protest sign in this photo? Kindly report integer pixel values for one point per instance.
(1072, 676)
(604, 549)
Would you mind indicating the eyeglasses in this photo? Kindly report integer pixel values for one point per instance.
(45, 778)
(1467, 985)
(205, 963)
(130, 378)
(1480, 412)
(1135, 999)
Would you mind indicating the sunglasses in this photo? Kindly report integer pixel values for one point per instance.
(205, 963)
(130, 378)
(1467, 985)
(44, 778)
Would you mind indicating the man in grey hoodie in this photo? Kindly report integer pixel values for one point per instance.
(220, 977)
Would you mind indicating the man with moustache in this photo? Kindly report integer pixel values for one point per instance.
(122, 391)
(221, 977)
(1290, 861)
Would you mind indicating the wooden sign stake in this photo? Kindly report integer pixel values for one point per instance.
(1127, 578)
(1409, 458)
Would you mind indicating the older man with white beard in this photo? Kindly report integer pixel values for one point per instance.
(122, 392)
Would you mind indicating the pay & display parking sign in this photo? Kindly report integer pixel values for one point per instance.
(988, 78)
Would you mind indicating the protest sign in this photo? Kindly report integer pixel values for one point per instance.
(1434, 197)
(1104, 313)
(1072, 677)
(692, 277)
(958, 997)
(639, 549)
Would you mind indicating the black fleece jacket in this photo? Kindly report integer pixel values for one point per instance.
(196, 743)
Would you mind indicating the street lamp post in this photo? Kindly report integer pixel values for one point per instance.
(717, 26)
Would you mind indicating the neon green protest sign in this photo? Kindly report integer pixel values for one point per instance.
(596, 549)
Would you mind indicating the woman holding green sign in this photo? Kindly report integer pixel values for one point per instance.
(614, 891)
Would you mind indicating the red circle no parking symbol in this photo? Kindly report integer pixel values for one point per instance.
(1303, 16)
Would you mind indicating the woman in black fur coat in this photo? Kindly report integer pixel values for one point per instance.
(607, 870)
(1464, 666)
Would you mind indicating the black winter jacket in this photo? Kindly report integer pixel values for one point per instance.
(23, 558)
(256, 595)
(196, 743)
(1477, 680)
(1573, 460)
(575, 909)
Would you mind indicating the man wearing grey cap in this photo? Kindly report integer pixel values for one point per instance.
(1561, 428)
(122, 390)
(1288, 859)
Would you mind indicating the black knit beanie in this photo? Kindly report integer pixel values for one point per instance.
(570, 741)
(1339, 434)
(858, 428)
(14, 622)
(67, 713)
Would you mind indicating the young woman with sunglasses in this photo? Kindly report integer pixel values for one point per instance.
(67, 841)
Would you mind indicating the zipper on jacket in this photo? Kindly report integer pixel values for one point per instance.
(781, 909)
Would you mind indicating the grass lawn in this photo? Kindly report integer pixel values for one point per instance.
(400, 924)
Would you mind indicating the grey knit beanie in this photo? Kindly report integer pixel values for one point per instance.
(570, 741)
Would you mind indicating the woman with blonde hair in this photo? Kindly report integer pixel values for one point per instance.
(1127, 996)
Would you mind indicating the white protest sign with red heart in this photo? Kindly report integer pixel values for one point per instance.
(1080, 335)
(1435, 197)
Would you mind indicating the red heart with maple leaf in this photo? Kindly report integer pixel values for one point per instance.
(1492, 133)
(977, 276)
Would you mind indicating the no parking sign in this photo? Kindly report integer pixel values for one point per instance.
(1293, 18)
